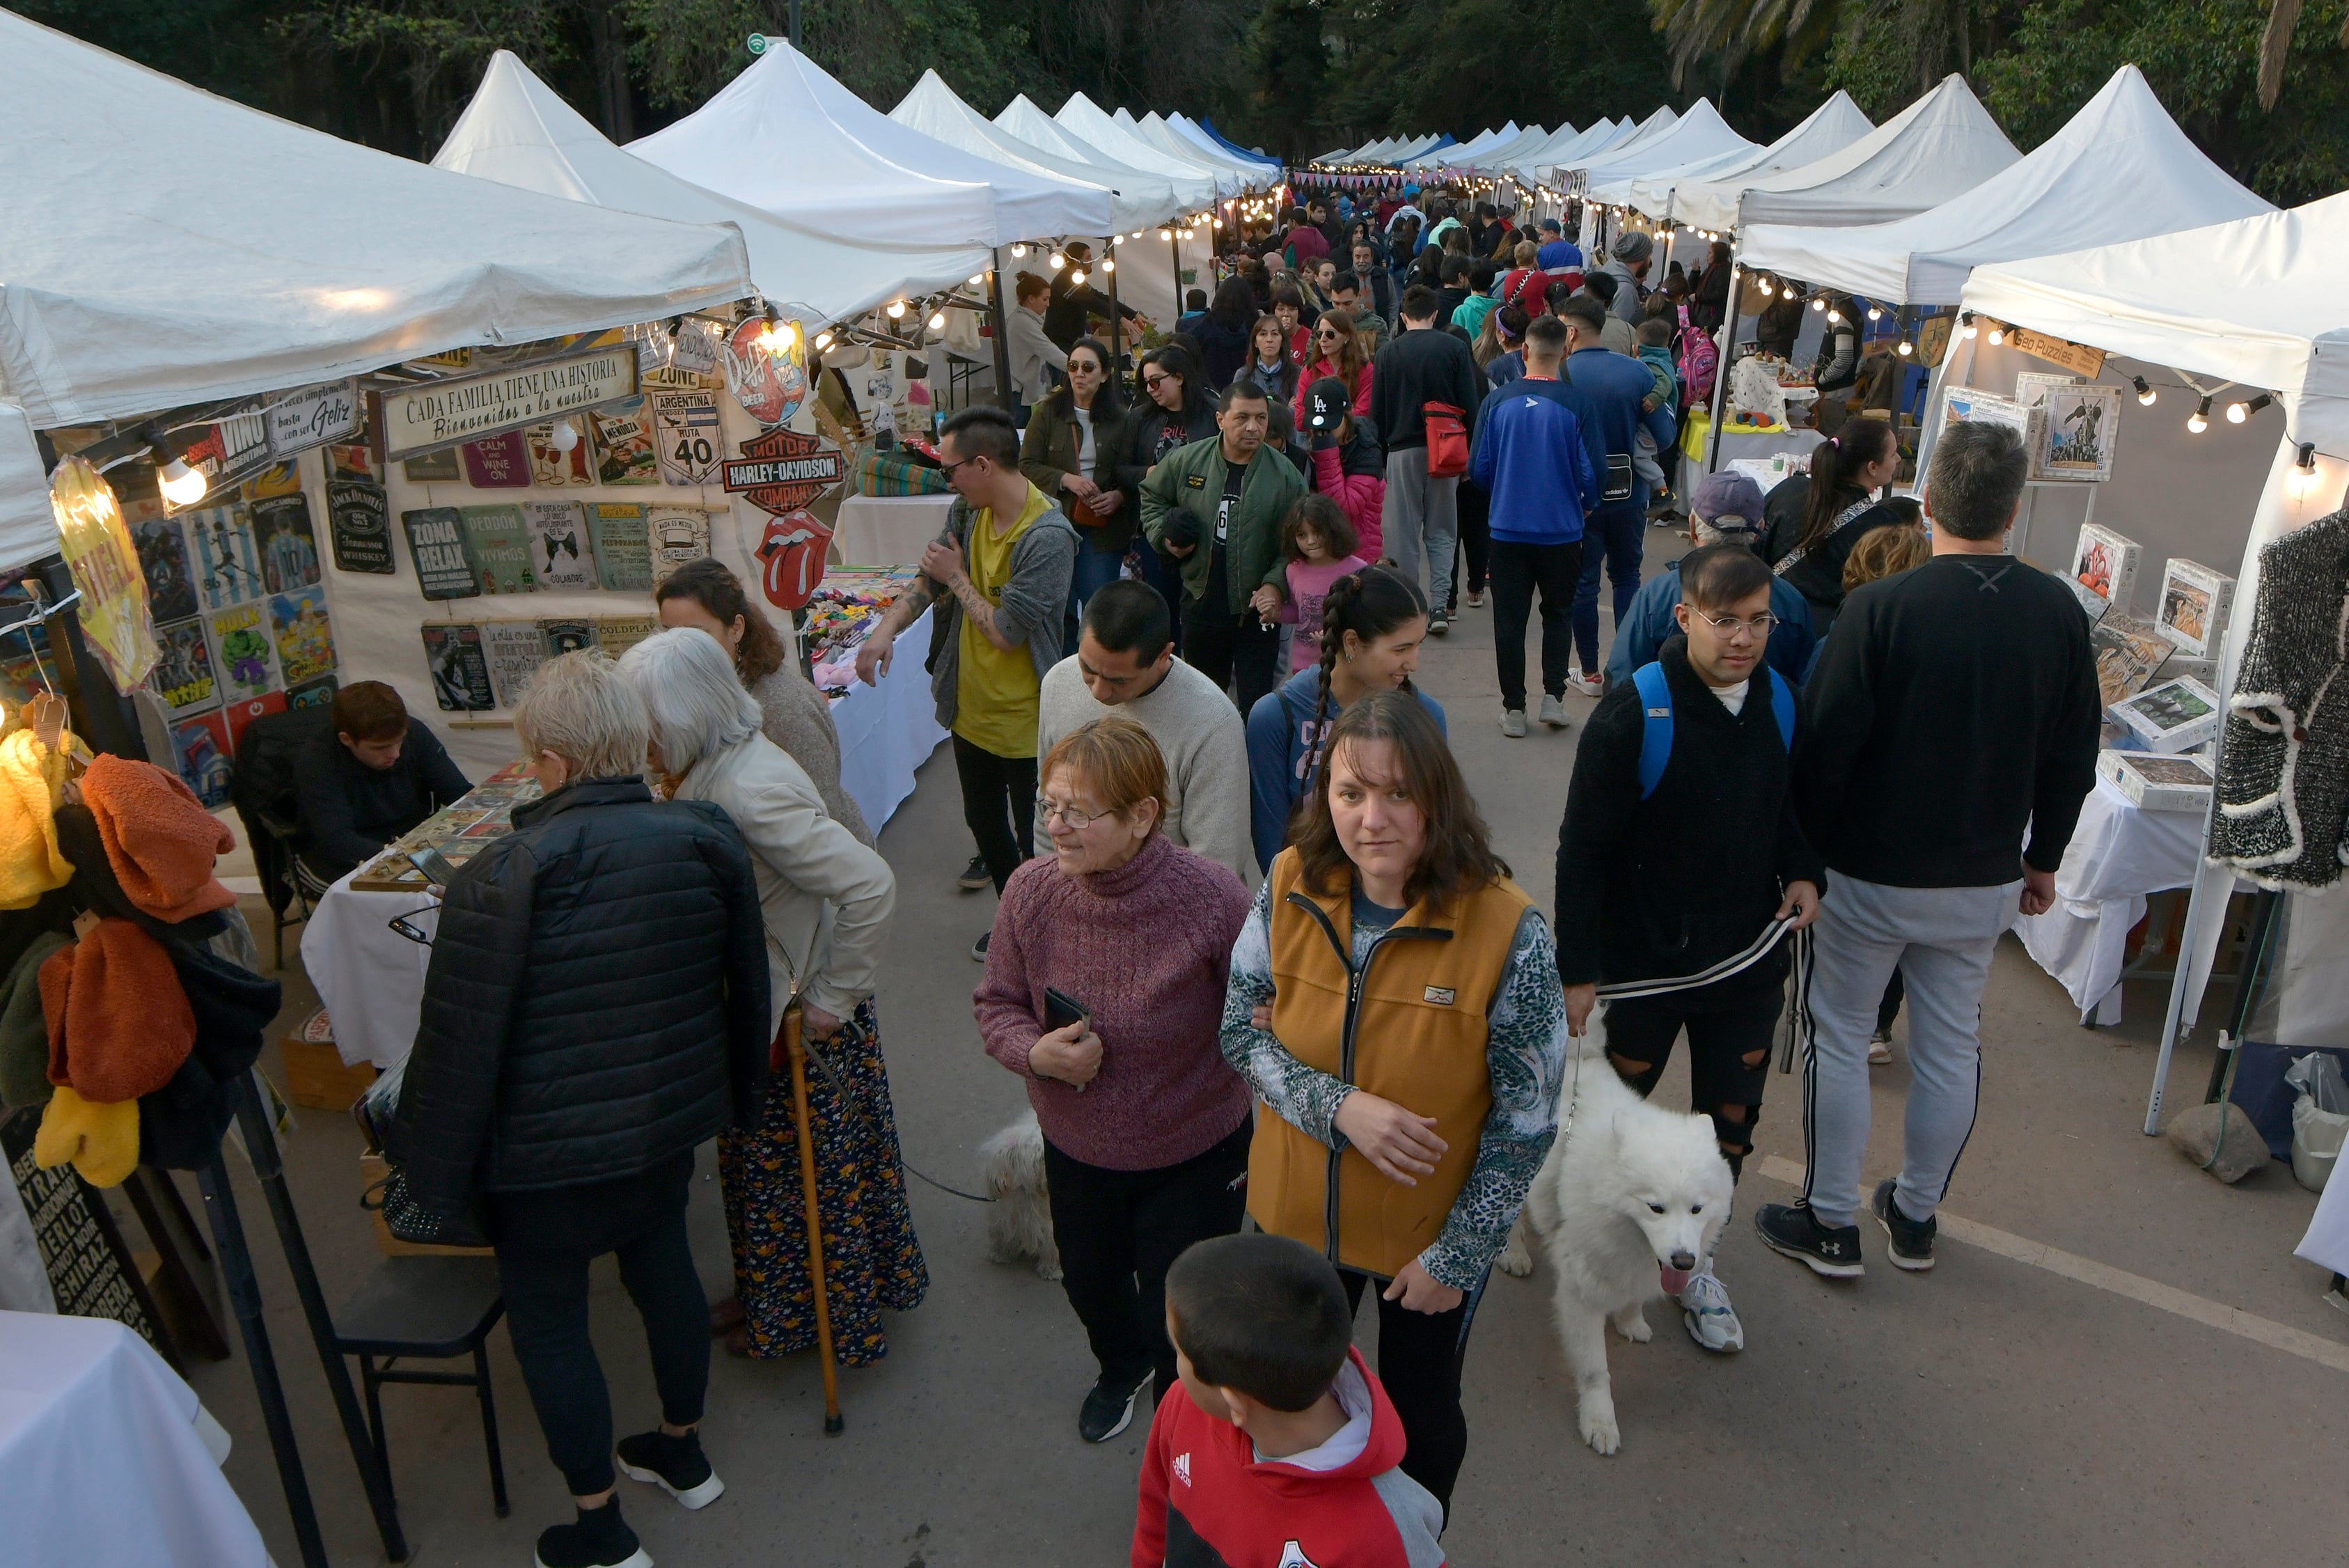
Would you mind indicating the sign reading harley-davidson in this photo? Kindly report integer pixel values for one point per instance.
(782, 471)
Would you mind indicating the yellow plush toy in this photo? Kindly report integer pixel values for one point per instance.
(102, 1141)
(32, 780)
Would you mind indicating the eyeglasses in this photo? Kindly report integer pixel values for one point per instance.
(1152, 383)
(1077, 820)
(1730, 625)
(948, 468)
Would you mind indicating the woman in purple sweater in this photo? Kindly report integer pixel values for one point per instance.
(1145, 1125)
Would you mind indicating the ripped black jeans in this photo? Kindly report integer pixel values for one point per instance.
(1729, 1052)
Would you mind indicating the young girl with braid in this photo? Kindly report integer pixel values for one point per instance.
(1372, 623)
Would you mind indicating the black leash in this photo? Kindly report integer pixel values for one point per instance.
(872, 1127)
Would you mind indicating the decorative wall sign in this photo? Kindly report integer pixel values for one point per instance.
(359, 522)
(2076, 358)
(306, 640)
(441, 413)
(686, 430)
(313, 416)
(460, 672)
(567, 636)
(790, 553)
(623, 553)
(232, 449)
(90, 1270)
(436, 541)
(283, 538)
(434, 468)
(183, 674)
(770, 387)
(516, 650)
(241, 652)
(615, 634)
(162, 545)
(624, 444)
(500, 462)
(499, 542)
(560, 555)
(676, 534)
(202, 747)
(782, 471)
(551, 466)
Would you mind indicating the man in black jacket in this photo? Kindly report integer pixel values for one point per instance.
(1955, 709)
(1421, 513)
(369, 779)
(1073, 303)
(1669, 873)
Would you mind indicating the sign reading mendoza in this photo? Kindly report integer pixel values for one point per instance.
(466, 408)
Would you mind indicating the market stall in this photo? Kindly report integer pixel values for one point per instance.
(1830, 128)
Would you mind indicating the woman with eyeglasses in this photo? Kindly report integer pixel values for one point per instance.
(1074, 441)
(1177, 408)
(1105, 990)
(1336, 352)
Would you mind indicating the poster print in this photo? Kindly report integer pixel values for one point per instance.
(499, 542)
(497, 462)
(687, 432)
(623, 551)
(460, 672)
(352, 460)
(676, 534)
(226, 571)
(514, 651)
(436, 541)
(183, 674)
(358, 523)
(162, 545)
(283, 538)
(242, 651)
(552, 468)
(2082, 422)
(615, 634)
(241, 713)
(305, 641)
(559, 552)
(562, 637)
(624, 443)
(201, 747)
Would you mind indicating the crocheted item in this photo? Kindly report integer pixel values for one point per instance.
(118, 1024)
(32, 780)
(161, 841)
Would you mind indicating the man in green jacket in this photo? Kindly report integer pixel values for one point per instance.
(1216, 506)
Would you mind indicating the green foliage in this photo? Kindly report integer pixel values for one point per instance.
(685, 50)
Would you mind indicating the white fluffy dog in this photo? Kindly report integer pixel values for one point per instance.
(1019, 1223)
(1632, 1200)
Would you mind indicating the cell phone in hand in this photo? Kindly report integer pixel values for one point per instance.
(1061, 1010)
(436, 867)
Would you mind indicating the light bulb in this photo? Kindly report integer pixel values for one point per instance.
(822, 341)
(1819, 304)
(1997, 336)
(1076, 277)
(1109, 264)
(565, 436)
(1165, 233)
(181, 485)
(2144, 391)
(1972, 329)
(2303, 472)
(1834, 319)
(1219, 223)
(1874, 314)
(1056, 261)
(1905, 349)
(1018, 251)
(2200, 419)
(977, 278)
(2237, 413)
(1116, 240)
(896, 310)
(778, 337)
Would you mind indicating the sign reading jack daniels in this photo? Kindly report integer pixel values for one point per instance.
(430, 414)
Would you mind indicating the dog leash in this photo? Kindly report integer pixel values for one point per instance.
(1735, 964)
(850, 1025)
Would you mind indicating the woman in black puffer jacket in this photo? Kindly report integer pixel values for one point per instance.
(594, 1010)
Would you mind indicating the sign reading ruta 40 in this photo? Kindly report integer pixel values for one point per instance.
(440, 413)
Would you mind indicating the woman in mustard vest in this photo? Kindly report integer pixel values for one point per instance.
(1394, 1002)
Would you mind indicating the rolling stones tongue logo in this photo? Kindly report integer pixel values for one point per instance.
(781, 471)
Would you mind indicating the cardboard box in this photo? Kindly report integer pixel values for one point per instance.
(2192, 610)
(2157, 782)
(373, 1170)
(315, 1077)
(2171, 716)
(2103, 572)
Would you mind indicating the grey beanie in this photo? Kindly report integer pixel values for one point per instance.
(1631, 247)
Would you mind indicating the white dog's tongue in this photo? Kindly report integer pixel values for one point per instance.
(1675, 1280)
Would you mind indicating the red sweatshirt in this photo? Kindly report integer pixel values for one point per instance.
(1207, 1501)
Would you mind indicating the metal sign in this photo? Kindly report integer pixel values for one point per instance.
(313, 416)
(432, 414)
(782, 471)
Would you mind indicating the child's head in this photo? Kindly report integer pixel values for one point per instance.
(1317, 529)
(1654, 332)
(1260, 1323)
(1883, 551)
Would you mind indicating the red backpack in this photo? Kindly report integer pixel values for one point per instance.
(1699, 361)
(1447, 438)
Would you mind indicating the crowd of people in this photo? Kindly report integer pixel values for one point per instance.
(1266, 970)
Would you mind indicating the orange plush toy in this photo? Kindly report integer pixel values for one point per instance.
(161, 841)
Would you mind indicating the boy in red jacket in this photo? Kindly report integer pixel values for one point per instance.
(1283, 1452)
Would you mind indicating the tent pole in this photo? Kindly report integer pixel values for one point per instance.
(1005, 393)
(1175, 249)
(1721, 365)
(1116, 316)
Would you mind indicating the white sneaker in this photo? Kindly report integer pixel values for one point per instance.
(1587, 685)
(1712, 1320)
(1552, 713)
(1513, 721)
(1879, 1048)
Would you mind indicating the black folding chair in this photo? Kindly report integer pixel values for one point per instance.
(433, 1309)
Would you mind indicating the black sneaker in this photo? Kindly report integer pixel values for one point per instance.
(1438, 624)
(1911, 1244)
(676, 1465)
(1109, 1409)
(601, 1539)
(978, 947)
(975, 875)
(1793, 1229)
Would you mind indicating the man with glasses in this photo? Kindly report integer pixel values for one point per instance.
(1681, 855)
(1726, 509)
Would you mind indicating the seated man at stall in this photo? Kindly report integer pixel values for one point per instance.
(368, 779)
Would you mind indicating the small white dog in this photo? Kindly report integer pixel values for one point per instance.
(1631, 1202)
(1019, 1223)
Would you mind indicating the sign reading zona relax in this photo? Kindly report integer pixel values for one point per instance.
(433, 414)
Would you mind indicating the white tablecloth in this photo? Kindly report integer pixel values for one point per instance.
(101, 1459)
(2117, 855)
(372, 978)
(887, 530)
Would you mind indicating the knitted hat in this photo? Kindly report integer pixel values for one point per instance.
(1634, 247)
(162, 843)
(101, 1140)
(118, 1024)
(1327, 402)
(32, 777)
(1727, 494)
(24, 1033)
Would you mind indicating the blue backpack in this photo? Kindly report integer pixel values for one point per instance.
(1656, 734)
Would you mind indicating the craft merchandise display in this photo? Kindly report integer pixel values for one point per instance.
(456, 833)
(2196, 601)
(2171, 716)
(842, 615)
(2153, 783)
(2103, 572)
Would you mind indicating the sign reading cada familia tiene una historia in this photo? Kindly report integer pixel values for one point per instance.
(466, 408)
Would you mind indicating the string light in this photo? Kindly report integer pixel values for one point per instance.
(977, 278)
(2200, 419)
(2304, 471)
(1076, 277)
(1874, 314)
(1018, 251)
(181, 485)
(1997, 336)
(2145, 394)
(1107, 266)
(1819, 304)
(896, 310)
(1905, 349)
(2238, 412)
(822, 341)
(1056, 261)
(564, 437)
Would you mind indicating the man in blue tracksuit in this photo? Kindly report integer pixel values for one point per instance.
(1726, 510)
(1530, 457)
(1605, 390)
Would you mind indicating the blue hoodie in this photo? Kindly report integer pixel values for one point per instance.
(1283, 746)
(1531, 459)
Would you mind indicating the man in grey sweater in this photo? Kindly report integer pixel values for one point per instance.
(1125, 664)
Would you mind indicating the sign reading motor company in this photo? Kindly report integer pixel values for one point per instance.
(781, 470)
(430, 414)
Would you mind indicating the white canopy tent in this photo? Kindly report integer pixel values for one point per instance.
(1697, 135)
(1496, 161)
(1941, 146)
(1564, 147)
(1260, 169)
(1084, 121)
(2119, 170)
(1226, 176)
(1557, 169)
(786, 138)
(1030, 124)
(121, 297)
(518, 131)
(1162, 130)
(1833, 126)
(2281, 324)
(932, 108)
(1464, 154)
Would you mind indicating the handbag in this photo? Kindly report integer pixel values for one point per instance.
(1447, 439)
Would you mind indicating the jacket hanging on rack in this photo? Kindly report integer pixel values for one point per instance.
(2282, 815)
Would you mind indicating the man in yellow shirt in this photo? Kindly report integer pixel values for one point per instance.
(999, 579)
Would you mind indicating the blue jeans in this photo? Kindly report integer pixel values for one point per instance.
(1094, 570)
(1613, 538)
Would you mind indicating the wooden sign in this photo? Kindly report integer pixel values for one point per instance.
(2076, 358)
(441, 413)
(90, 1268)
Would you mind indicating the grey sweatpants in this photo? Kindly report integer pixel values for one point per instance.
(1941, 938)
(1420, 518)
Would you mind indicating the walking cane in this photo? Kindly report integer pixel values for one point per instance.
(834, 1425)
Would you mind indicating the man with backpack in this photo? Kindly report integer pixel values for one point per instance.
(1681, 859)
(1424, 372)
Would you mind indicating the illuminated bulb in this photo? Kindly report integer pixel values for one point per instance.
(822, 341)
(1819, 304)
(1109, 265)
(1874, 314)
(1834, 319)
(181, 485)
(1117, 239)
(1219, 223)
(1056, 261)
(778, 337)
(977, 278)
(1971, 329)
(2303, 472)
(2144, 391)
(2200, 419)
(1165, 233)
(1905, 349)
(896, 310)
(1018, 251)
(1997, 336)
(565, 438)
(2237, 413)
(937, 320)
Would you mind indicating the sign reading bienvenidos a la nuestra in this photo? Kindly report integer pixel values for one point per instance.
(430, 414)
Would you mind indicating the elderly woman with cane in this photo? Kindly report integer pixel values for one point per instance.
(827, 1141)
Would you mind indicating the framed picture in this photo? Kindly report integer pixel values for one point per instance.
(2075, 438)
(2195, 600)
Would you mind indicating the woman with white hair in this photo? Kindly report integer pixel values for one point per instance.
(595, 1007)
(827, 899)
